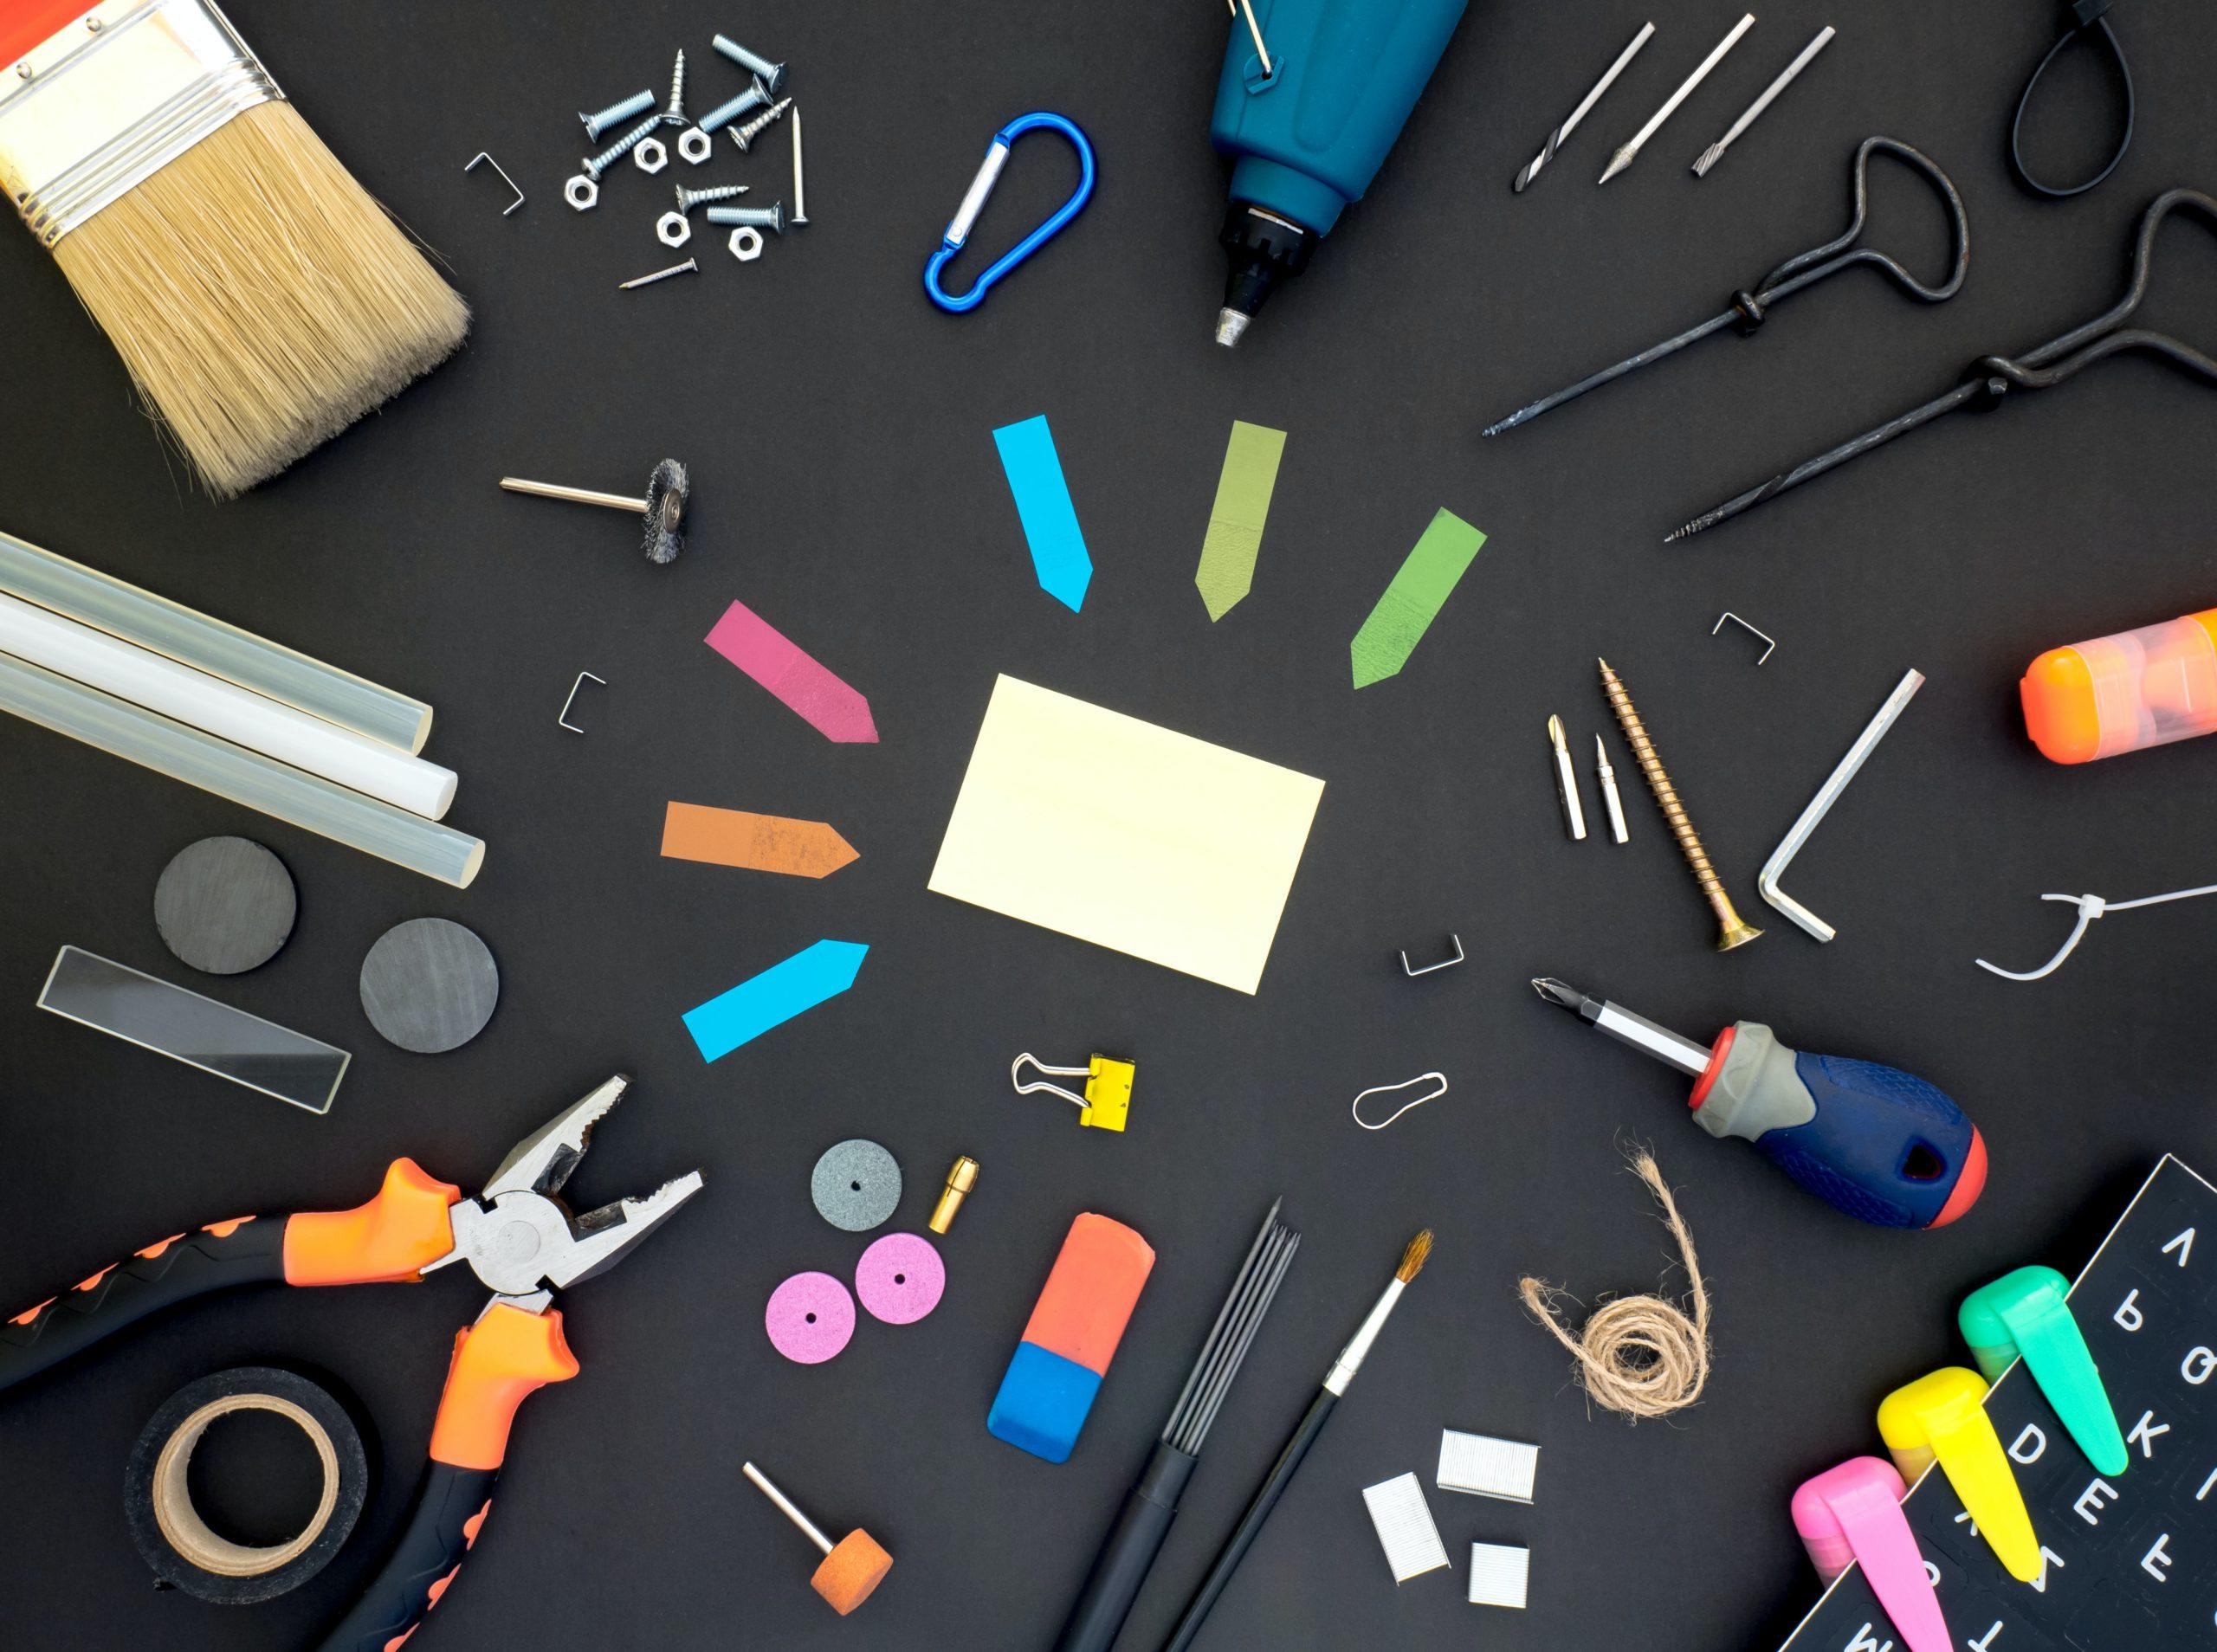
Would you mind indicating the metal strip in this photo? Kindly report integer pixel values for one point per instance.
(176, 1021)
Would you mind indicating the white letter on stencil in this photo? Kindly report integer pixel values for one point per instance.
(2183, 1244)
(2030, 1454)
(1863, 1642)
(2156, 1563)
(1985, 1643)
(2048, 1558)
(2204, 1492)
(2128, 1316)
(2199, 1362)
(2143, 1437)
(2090, 1499)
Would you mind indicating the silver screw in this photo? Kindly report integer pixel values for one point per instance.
(614, 114)
(753, 98)
(673, 112)
(771, 217)
(773, 74)
(622, 146)
(687, 199)
(800, 195)
(747, 134)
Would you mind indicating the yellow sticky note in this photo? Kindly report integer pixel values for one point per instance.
(1130, 836)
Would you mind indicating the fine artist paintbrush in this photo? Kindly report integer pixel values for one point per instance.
(262, 300)
(1128, 1551)
(1312, 1424)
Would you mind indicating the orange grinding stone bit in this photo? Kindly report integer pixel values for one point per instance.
(852, 1568)
(857, 1564)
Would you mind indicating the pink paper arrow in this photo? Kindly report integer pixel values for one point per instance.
(773, 660)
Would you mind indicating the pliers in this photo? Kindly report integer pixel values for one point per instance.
(517, 1238)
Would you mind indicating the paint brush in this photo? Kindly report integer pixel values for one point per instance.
(262, 300)
(1336, 1381)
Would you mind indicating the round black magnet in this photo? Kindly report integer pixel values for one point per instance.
(429, 985)
(855, 1185)
(225, 905)
(181, 1547)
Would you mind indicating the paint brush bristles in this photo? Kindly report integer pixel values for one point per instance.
(260, 299)
(1413, 1258)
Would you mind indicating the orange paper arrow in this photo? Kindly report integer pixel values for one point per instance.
(801, 848)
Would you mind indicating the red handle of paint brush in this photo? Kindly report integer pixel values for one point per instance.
(27, 23)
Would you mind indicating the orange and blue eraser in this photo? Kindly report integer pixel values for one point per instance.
(1048, 1389)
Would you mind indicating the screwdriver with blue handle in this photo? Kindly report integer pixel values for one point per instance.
(1881, 1145)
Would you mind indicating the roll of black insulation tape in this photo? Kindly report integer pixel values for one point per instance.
(185, 1552)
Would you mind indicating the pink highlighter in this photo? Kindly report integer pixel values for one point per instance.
(1853, 1513)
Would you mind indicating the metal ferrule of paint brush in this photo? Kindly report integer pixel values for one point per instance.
(105, 103)
(1358, 1349)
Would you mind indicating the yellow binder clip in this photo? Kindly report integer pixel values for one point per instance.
(1107, 1098)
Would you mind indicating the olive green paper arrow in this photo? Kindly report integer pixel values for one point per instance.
(1242, 505)
(1413, 600)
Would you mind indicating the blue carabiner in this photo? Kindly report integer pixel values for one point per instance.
(981, 188)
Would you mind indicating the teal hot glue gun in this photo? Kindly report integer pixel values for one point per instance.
(1313, 95)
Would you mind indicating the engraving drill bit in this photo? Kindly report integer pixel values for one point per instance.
(1609, 792)
(1630, 151)
(1556, 138)
(1732, 929)
(1715, 152)
(1573, 816)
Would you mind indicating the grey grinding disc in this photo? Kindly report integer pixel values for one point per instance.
(429, 985)
(225, 905)
(855, 1186)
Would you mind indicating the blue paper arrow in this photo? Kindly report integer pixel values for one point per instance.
(775, 996)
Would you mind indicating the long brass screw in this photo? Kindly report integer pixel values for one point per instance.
(1732, 929)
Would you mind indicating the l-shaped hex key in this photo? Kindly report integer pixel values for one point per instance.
(1828, 795)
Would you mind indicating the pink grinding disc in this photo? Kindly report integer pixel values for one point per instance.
(810, 1317)
(901, 1278)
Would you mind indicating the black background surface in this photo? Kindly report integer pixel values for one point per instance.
(847, 487)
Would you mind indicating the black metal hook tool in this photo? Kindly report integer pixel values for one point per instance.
(2087, 20)
(1806, 269)
(1990, 378)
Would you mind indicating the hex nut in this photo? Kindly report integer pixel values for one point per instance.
(747, 243)
(674, 229)
(648, 155)
(581, 193)
(695, 145)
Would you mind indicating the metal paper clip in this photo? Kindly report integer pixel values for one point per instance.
(1107, 1102)
(562, 717)
(981, 190)
(504, 178)
(1412, 971)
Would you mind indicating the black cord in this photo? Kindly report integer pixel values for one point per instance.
(2086, 16)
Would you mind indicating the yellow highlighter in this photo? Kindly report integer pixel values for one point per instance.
(1943, 1417)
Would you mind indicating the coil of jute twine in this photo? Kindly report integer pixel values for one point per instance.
(1640, 1355)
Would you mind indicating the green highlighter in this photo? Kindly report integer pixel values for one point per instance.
(2025, 1314)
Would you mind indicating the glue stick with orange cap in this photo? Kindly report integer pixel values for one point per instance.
(2124, 692)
